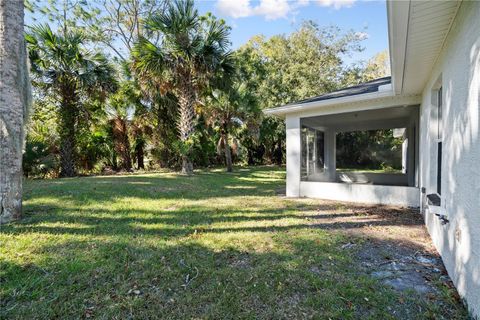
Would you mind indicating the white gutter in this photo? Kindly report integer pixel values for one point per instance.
(292, 108)
(398, 15)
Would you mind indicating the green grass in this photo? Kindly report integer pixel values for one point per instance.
(215, 245)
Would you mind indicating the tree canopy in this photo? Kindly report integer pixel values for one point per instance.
(130, 84)
(71, 75)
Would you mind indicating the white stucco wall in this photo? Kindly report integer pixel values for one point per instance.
(458, 66)
(292, 125)
(364, 193)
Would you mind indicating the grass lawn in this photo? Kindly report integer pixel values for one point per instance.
(215, 245)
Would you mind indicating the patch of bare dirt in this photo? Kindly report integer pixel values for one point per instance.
(390, 244)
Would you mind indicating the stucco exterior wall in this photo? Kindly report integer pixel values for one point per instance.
(363, 193)
(458, 67)
(292, 125)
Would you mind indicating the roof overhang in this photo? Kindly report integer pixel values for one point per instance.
(381, 99)
(417, 31)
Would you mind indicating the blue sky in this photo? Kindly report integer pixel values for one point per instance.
(270, 17)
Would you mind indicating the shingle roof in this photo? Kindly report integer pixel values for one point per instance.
(367, 87)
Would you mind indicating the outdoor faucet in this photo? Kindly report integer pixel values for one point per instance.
(443, 218)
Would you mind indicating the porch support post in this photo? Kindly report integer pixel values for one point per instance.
(292, 124)
(411, 155)
(330, 155)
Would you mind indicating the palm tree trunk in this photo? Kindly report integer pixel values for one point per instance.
(122, 145)
(278, 153)
(14, 101)
(228, 151)
(186, 125)
(68, 119)
(139, 152)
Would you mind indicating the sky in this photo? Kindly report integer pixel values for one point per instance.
(270, 17)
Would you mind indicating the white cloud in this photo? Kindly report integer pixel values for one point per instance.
(272, 9)
(362, 35)
(302, 2)
(235, 8)
(337, 4)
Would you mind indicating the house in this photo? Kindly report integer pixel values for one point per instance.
(431, 101)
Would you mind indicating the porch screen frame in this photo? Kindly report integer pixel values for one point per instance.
(315, 157)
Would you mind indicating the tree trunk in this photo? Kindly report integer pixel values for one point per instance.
(139, 152)
(122, 145)
(66, 128)
(186, 125)
(228, 152)
(14, 101)
(278, 153)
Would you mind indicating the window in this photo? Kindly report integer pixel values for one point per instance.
(439, 140)
(439, 113)
(312, 153)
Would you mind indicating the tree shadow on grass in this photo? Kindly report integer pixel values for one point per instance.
(106, 228)
(308, 275)
(203, 185)
(196, 259)
(184, 221)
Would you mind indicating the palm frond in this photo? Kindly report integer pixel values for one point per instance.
(61, 60)
(147, 58)
(178, 18)
(218, 35)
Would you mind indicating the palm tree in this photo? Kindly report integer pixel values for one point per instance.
(141, 130)
(119, 119)
(227, 108)
(15, 98)
(191, 50)
(127, 116)
(71, 74)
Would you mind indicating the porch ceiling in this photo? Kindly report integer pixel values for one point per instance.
(396, 117)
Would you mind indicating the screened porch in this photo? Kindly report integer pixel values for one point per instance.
(377, 147)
